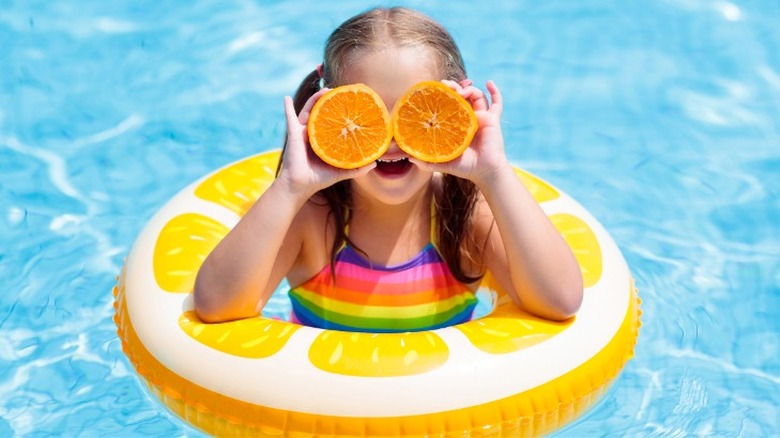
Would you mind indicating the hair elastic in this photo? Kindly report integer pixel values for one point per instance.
(319, 70)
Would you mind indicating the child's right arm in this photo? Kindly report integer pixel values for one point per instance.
(234, 279)
(239, 275)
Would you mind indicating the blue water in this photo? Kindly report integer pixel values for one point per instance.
(661, 117)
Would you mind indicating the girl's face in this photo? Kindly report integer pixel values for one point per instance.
(390, 72)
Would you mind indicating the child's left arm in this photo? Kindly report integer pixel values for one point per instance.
(527, 256)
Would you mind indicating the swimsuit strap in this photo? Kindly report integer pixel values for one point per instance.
(344, 242)
(433, 231)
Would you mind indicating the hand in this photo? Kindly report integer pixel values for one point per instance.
(486, 153)
(302, 170)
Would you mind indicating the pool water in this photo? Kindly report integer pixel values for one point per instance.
(660, 117)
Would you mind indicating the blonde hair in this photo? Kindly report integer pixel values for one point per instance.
(375, 30)
(393, 27)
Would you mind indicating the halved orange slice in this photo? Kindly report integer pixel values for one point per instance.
(378, 354)
(433, 123)
(349, 126)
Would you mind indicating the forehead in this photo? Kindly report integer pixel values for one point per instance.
(391, 71)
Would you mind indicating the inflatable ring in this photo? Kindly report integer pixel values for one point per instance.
(507, 373)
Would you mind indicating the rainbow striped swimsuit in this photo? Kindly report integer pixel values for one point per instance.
(420, 294)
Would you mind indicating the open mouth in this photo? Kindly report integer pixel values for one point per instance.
(393, 167)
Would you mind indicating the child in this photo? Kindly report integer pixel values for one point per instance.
(399, 244)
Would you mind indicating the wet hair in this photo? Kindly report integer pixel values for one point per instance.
(376, 29)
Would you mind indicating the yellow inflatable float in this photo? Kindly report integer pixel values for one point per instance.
(505, 374)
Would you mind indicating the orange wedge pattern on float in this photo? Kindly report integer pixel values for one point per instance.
(507, 328)
(237, 187)
(185, 242)
(583, 244)
(510, 329)
(540, 190)
(252, 338)
(182, 246)
(378, 355)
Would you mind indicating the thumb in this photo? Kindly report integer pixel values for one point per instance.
(354, 173)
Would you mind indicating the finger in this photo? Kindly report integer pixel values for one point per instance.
(462, 166)
(293, 125)
(354, 173)
(453, 85)
(496, 100)
(467, 91)
(476, 97)
(426, 166)
(289, 109)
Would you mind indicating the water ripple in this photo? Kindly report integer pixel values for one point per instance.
(661, 118)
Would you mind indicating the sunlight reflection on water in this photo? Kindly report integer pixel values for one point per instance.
(660, 118)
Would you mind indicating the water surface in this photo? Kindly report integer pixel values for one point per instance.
(661, 117)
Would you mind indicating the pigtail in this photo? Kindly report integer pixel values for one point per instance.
(455, 209)
(310, 85)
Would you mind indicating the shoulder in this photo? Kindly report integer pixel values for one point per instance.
(475, 243)
(480, 221)
(314, 211)
(482, 231)
(314, 233)
(313, 222)
(482, 218)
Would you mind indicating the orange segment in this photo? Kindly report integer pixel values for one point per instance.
(253, 338)
(349, 127)
(509, 329)
(182, 246)
(583, 244)
(540, 190)
(433, 123)
(378, 355)
(238, 186)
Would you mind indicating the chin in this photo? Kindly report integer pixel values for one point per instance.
(393, 188)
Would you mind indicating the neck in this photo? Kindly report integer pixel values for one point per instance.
(391, 234)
